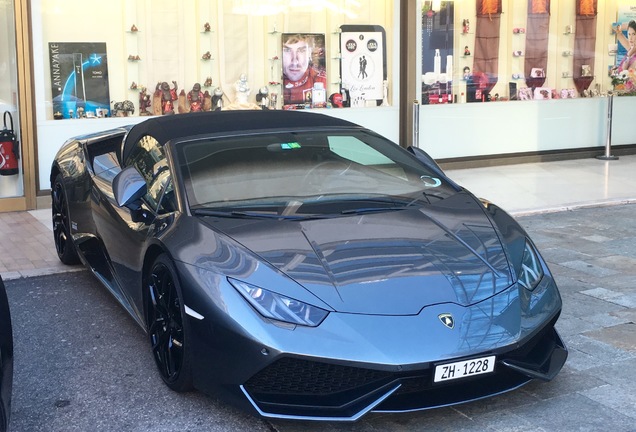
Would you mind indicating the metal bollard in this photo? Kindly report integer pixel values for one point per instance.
(608, 142)
(416, 123)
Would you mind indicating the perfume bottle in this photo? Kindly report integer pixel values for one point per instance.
(437, 64)
(318, 96)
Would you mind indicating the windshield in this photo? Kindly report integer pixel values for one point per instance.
(304, 174)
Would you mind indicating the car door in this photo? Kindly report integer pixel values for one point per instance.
(126, 231)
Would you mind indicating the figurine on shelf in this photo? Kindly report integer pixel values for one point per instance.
(123, 109)
(273, 100)
(466, 51)
(465, 26)
(217, 99)
(385, 93)
(242, 92)
(242, 88)
(195, 98)
(134, 29)
(133, 86)
(466, 72)
(164, 97)
(208, 82)
(207, 101)
(144, 102)
(181, 104)
(206, 56)
(206, 27)
(263, 98)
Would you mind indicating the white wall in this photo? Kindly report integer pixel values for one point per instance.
(492, 128)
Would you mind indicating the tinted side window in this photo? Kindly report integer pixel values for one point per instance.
(150, 160)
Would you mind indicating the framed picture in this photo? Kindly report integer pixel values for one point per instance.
(541, 93)
(537, 73)
(304, 66)
(363, 64)
(79, 78)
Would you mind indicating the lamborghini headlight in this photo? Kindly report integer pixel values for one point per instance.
(531, 270)
(279, 307)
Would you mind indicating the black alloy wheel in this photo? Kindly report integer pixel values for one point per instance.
(166, 325)
(61, 224)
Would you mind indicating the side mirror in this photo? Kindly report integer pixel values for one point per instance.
(128, 187)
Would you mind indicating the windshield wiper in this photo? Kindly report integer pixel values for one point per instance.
(372, 210)
(252, 215)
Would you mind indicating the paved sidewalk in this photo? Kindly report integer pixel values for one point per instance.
(26, 246)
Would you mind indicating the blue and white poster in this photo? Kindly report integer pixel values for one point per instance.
(79, 79)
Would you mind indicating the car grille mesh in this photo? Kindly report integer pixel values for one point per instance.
(303, 377)
(298, 387)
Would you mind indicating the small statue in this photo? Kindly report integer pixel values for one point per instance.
(207, 101)
(164, 97)
(144, 102)
(466, 72)
(466, 51)
(206, 56)
(465, 26)
(385, 93)
(217, 99)
(206, 27)
(181, 104)
(263, 97)
(195, 98)
(242, 89)
(208, 82)
(134, 29)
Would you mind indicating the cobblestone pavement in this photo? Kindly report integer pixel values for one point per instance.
(105, 376)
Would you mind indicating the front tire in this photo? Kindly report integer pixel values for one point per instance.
(167, 326)
(61, 223)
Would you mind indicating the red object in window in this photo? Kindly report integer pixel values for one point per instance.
(488, 7)
(539, 7)
(586, 7)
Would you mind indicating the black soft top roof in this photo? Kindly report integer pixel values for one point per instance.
(167, 128)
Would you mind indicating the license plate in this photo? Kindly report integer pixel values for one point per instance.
(465, 368)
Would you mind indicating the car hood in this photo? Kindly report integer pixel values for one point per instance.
(390, 263)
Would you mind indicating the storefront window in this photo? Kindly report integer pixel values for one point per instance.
(505, 50)
(11, 175)
(100, 65)
(163, 57)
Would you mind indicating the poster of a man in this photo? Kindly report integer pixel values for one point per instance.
(303, 66)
